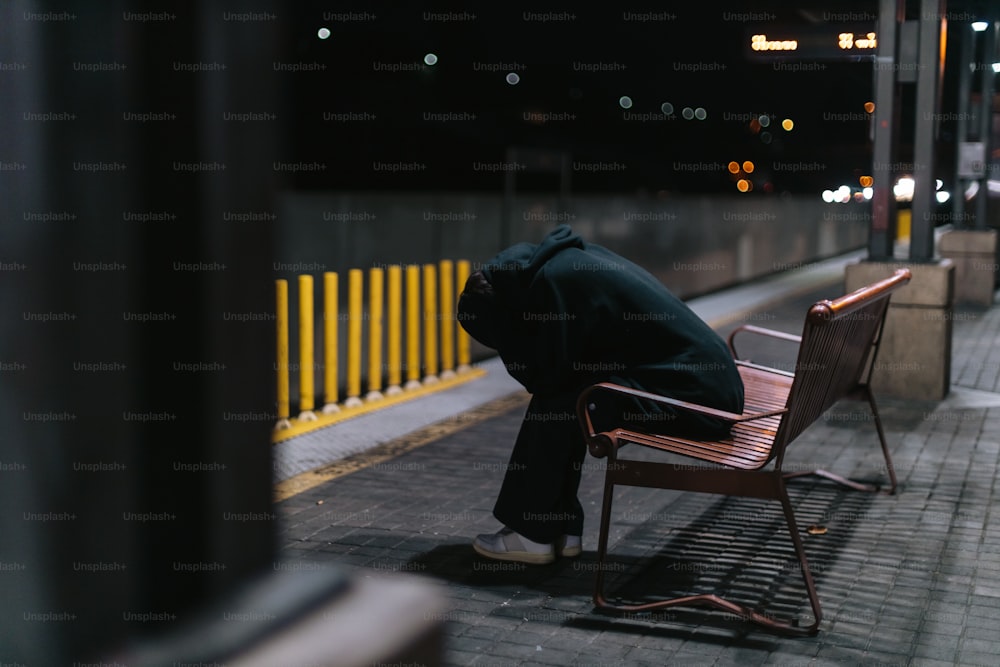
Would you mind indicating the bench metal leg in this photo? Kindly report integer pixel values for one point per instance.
(826, 474)
(800, 551)
(602, 540)
(739, 610)
(850, 483)
(881, 437)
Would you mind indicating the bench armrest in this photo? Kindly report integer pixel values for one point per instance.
(760, 331)
(762, 367)
(584, 415)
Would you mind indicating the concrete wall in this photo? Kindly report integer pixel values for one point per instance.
(695, 245)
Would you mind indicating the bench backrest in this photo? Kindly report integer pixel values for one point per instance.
(840, 341)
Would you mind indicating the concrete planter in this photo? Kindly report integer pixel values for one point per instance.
(914, 360)
(974, 254)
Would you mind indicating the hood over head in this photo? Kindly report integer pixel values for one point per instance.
(488, 314)
(512, 270)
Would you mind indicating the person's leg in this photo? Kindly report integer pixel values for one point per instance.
(538, 496)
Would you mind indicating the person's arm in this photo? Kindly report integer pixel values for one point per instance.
(558, 324)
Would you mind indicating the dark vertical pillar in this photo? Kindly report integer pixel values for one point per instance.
(204, 355)
(135, 476)
(985, 114)
(932, 25)
(74, 457)
(882, 235)
(967, 38)
(238, 309)
(26, 586)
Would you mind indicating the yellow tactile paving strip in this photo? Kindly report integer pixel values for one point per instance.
(398, 446)
(323, 420)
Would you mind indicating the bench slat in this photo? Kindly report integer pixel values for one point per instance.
(750, 444)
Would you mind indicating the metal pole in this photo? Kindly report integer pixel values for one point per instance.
(986, 119)
(967, 37)
(883, 225)
(307, 361)
(331, 323)
(430, 325)
(395, 324)
(464, 349)
(355, 292)
(932, 24)
(412, 327)
(446, 297)
(376, 295)
(282, 355)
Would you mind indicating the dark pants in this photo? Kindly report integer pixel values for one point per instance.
(538, 496)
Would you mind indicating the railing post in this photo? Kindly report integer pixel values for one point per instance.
(354, 315)
(375, 294)
(447, 318)
(281, 361)
(307, 387)
(394, 354)
(430, 325)
(331, 322)
(464, 351)
(412, 327)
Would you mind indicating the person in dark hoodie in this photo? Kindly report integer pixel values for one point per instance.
(564, 314)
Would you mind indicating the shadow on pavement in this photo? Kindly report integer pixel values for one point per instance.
(738, 548)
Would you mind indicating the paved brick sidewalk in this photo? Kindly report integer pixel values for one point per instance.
(910, 579)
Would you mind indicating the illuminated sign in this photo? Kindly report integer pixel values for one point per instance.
(848, 41)
(811, 42)
(762, 43)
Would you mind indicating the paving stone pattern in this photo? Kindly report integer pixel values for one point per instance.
(910, 579)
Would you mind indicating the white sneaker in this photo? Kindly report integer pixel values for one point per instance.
(510, 546)
(569, 546)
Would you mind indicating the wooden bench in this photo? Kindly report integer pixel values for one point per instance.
(836, 353)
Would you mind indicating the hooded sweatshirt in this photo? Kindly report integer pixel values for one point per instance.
(567, 314)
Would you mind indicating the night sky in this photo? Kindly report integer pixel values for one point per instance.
(395, 123)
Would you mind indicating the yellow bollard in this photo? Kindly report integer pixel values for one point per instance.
(354, 315)
(464, 350)
(331, 320)
(904, 219)
(307, 387)
(430, 325)
(447, 310)
(375, 291)
(412, 327)
(281, 365)
(395, 304)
